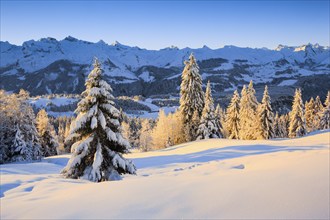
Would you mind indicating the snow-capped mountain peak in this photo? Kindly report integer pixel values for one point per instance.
(70, 38)
(60, 66)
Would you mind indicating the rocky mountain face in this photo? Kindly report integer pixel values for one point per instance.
(51, 66)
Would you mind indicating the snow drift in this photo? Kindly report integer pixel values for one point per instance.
(217, 178)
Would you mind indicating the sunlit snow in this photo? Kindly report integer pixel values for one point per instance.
(217, 178)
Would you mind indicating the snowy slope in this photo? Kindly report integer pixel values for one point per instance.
(222, 179)
(57, 101)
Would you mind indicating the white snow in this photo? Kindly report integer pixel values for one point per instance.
(288, 82)
(60, 114)
(52, 76)
(174, 76)
(58, 101)
(224, 66)
(205, 75)
(93, 122)
(148, 102)
(154, 109)
(215, 178)
(145, 76)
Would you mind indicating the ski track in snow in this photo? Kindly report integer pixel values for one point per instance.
(216, 178)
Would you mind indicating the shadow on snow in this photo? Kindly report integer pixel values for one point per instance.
(216, 154)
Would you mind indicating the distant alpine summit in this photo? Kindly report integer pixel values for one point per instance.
(52, 66)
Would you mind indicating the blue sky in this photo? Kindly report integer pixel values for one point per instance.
(158, 24)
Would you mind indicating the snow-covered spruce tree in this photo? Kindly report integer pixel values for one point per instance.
(247, 114)
(309, 115)
(265, 117)
(98, 143)
(318, 109)
(232, 117)
(47, 134)
(297, 117)
(191, 95)
(220, 117)
(27, 125)
(208, 127)
(325, 115)
(19, 144)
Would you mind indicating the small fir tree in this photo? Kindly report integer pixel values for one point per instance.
(232, 117)
(265, 118)
(297, 117)
(98, 142)
(208, 127)
(19, 145)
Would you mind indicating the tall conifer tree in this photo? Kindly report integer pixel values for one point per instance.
(248, 106)
(96, 133)
(297, 117)
(191, 95)
(265, 126)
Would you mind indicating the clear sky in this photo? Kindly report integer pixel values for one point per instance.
(158, 24)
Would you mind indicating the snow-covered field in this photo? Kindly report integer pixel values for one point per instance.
(215, 178)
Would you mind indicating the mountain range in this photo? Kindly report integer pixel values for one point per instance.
(50, 66)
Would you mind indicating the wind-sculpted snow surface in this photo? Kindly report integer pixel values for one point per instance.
(215, 178)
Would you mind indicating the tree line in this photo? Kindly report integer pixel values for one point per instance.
(245, 118)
